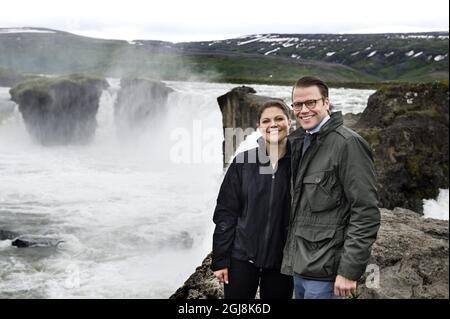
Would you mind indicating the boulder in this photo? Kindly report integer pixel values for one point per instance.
(139, 102)
(201, 284)
(62, 110)
(410, 255)
(239, 109)
(407, 128)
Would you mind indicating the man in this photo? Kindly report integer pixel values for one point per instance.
(334, 216)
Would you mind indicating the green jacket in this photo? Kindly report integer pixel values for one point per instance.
(334, 216)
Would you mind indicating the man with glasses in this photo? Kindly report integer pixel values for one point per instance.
(334, 215)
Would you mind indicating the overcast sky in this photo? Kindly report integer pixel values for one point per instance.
(194, 20)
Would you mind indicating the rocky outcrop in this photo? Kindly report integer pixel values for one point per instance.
(139, 102)
(407, 127)
(410, 256)
(201, 284)
(351, 119)
(239, 110)
(60, 110)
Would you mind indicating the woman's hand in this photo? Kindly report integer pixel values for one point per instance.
(222, 275)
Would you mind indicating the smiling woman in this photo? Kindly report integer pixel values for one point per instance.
(252, 213)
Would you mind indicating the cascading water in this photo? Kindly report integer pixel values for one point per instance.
(135, 211)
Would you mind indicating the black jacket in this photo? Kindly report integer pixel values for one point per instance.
(252, 212)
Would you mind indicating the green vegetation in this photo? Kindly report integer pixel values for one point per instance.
(268, 70)
(60, 53)
(371, 135)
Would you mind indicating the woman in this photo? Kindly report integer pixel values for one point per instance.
(252, 213)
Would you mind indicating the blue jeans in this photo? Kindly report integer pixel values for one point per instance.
(313, 289)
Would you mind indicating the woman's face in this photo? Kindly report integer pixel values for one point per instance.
(274, 125)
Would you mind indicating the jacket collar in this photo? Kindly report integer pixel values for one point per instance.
(336, 120)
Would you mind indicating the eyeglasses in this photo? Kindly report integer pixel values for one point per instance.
(310, 104)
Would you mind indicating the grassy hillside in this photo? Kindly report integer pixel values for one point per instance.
(234, 60)
(385, 56)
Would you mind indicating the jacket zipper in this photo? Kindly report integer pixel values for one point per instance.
(267, 230)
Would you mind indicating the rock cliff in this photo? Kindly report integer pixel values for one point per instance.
(60, 110)
(407, 127)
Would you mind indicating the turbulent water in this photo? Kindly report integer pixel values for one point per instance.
(134, 211)
(438, 208)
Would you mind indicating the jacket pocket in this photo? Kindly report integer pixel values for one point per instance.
(322, 190)
(316, 251)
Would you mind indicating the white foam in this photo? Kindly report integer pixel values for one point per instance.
(5, 244)
(437, 208)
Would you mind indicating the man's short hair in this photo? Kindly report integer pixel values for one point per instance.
(308, 81)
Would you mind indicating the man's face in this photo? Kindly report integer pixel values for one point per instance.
(310, 118)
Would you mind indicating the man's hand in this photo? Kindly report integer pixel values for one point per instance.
(344, 287)
(222, 275)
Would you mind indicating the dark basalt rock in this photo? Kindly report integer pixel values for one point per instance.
(59, 111)
(201, 284)
(407, 127)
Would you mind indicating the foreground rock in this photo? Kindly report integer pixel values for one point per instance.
(239, 110)
(407, 127)
(140, 102)
(60, 110)
(201, 284)
(410, 252)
